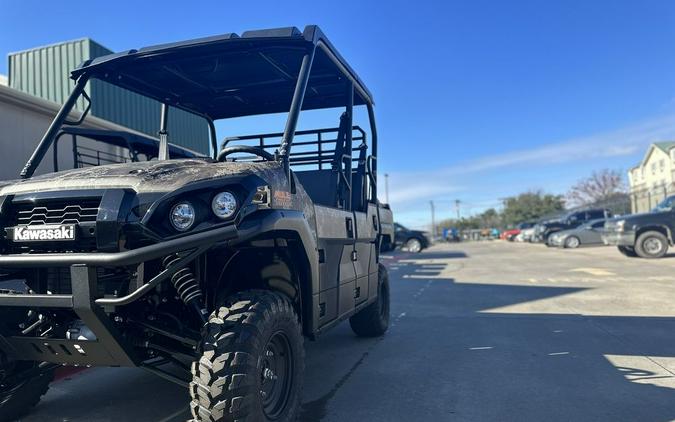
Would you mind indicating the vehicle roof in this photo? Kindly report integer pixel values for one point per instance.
(233, 75)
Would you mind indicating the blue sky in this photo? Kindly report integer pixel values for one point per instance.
(475, 100)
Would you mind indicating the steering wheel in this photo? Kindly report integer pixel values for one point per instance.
(222, 155)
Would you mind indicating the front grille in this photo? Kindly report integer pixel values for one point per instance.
(81, 212)
(57, 212)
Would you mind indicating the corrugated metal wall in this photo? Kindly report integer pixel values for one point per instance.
(44, 72)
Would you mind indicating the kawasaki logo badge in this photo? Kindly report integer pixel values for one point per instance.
(44, 233)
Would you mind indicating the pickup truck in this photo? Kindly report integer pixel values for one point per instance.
(646, 235)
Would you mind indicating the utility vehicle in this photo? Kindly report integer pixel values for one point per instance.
(206, 271)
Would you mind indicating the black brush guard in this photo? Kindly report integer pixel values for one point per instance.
(109, 348)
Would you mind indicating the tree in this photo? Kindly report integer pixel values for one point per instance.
(530, 206)
(602, 187)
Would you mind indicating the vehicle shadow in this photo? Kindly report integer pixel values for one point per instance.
(496, 365)
(452, 353)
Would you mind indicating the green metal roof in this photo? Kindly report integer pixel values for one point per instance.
(45, 73)
(665, 146)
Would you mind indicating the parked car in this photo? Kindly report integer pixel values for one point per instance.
(589, 233)
(526, 235)
(412, 240)
(511, 234)
(647, 235)
(569, 221)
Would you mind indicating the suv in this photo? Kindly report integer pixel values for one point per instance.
(570, 221)
(646, 235)
(206, 271)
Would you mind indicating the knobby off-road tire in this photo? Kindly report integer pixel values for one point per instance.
(628, 251)
(252, 362)
(373, 320)
(651, 245)
(16, 399)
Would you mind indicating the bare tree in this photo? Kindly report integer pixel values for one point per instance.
(602, 186)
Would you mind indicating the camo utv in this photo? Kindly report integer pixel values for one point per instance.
(207, 271)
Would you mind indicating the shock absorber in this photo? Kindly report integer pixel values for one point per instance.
(187, 286)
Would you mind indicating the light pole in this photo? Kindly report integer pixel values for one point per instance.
(433, 220)
(457, 201)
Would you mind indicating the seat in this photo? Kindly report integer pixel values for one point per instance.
(320, 185)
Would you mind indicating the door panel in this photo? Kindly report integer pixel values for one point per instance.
(346, 301)
(327, 304)
(335, 230)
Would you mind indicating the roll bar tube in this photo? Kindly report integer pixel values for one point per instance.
(296, 106)
(50, 135)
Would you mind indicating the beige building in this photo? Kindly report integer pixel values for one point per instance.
(23, 120)
(652, 180)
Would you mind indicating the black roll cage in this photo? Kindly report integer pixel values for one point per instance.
(352, 83)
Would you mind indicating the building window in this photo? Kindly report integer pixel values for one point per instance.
(653, 168)
(662, 165)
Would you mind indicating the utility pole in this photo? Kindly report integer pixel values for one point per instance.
(433, 220)
(457, 201)
(386, 187)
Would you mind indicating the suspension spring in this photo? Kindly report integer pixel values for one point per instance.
(186, 285)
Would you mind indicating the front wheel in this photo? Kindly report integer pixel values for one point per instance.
(252, 362)
(373, 320)
(18, 394)
(651, 245)
(572, 242)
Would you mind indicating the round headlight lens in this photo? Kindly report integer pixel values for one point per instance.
(182, 216)
(224, 205)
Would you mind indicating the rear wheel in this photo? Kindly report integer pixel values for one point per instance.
(19, 395)
(572, 242)
(414, 245)
(651, 244)
(252, 361)
(373, 320)
(627, 251)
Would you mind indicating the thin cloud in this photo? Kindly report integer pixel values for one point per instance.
(411, 187)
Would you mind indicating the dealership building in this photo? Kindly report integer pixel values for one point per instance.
(38, 83)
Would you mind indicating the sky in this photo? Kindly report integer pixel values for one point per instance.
(475, 100)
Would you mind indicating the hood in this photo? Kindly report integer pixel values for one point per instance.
(148, 176)
(640, 216)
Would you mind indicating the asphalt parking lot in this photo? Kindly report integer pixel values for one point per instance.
(480, 331)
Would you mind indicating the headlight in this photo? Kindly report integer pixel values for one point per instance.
(224, 205)
(620, 225)
(182, 216)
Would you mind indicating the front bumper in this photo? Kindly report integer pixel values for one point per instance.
(556, 241)
(110, 348)
(613, 238)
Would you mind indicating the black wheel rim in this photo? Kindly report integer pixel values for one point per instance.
(276, 375)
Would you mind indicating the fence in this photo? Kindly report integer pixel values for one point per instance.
(643, 200)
